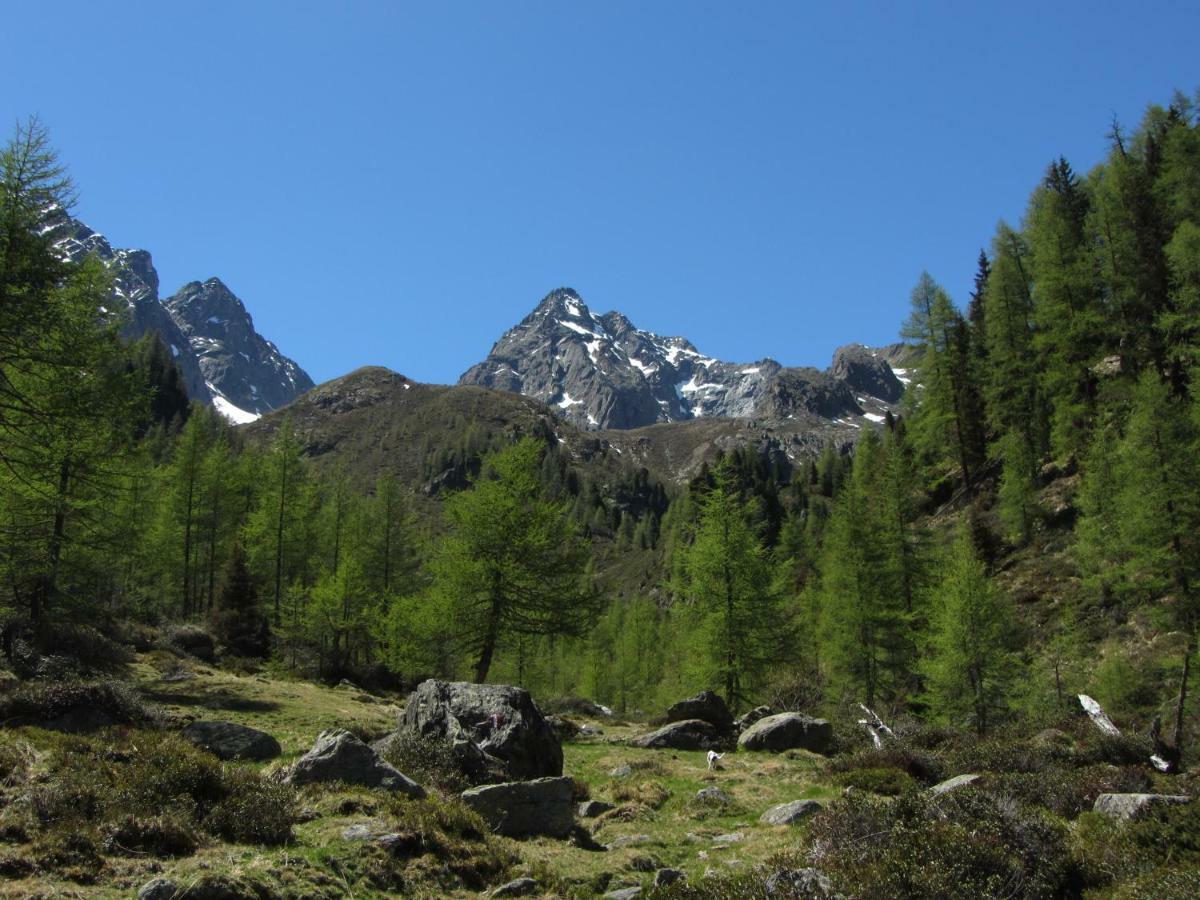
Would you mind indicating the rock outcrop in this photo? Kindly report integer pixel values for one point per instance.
(690, 734)
(228, 740)
(524, 808)
(340, 756)
(496, 731)
(601, 371)
(1125, 807)
(706, 706)
(787, 731)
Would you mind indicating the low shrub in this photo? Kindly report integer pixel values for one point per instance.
(894, 755)
(966, 843)
(426, 760)
(1162, 841)
(1068, 792)
(190, 639)
(43, 701)
(156, 835)
(652, 794)
(889, 782)
(252, 810)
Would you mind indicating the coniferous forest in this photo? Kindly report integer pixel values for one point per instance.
(1026, 529)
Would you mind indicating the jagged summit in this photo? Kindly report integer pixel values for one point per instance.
(601, 371)
(241, 368)
(206, 327)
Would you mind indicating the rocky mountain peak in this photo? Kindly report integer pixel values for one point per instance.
(205, 326)
(601, 371)
(246, 373)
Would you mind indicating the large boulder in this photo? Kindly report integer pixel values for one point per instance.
(706, 706)
(790, 813)
(690, 734)
(787, 731)
(496, 731)
(522, 808)
(228, 740)
(340, 756)
(1124, 807)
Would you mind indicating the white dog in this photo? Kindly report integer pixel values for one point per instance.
(713, 756)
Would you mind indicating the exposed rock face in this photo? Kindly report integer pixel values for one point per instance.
(1124, 807)
(206, 329)
(239, 365)
(866, 372)
(790, 813)
(340, 756)
(706, 706)
(603, 372)
(690, 734)
(497, 732)
(521, 808)
(228, 740)
(746, 720)
(787, 731)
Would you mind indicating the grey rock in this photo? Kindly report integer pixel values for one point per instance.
(810, 883)
(563, 727)
(1124, 807)
(745, 721)
(663, 877)
(589, 809)
(706, 706)
(624, 893)
(541, 806)
(362, 831)
(340, 756)
(497, 732)
(158, 889)
(644, 864)
(228, 740)
(790, 813)
(690, 734)
(735, 837)
(952, 784)
(866, 372)
(712, 795)
(787, 731)
(622, 771)
(519, 887)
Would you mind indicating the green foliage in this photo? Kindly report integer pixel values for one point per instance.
(427, 760)
(512, 564)
(736, 620)
(971, 665)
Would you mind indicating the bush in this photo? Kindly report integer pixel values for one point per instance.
(1068, 792)
(192, 640)
(966, 843)
(1164, 840)
(43, 701)
(253, 810)
(156, 836)
(893, 755)
(426, 760)
(889, 782)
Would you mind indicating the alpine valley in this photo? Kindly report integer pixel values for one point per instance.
(609, 616)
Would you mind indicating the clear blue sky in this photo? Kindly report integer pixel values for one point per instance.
(397, 184)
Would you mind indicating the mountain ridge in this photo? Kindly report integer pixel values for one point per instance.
(602, 372)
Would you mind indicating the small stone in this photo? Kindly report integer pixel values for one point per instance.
(731, 838)
(360, 832)
(516, 888)
(624, 893)
(712, 795)
(952, 784)
(1124, 807)
(158, 889)
(621, 772)
(798, 883)
(644, 864)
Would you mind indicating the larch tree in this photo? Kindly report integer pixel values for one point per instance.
(512, 563)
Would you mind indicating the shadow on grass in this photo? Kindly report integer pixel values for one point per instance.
(210, 698)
